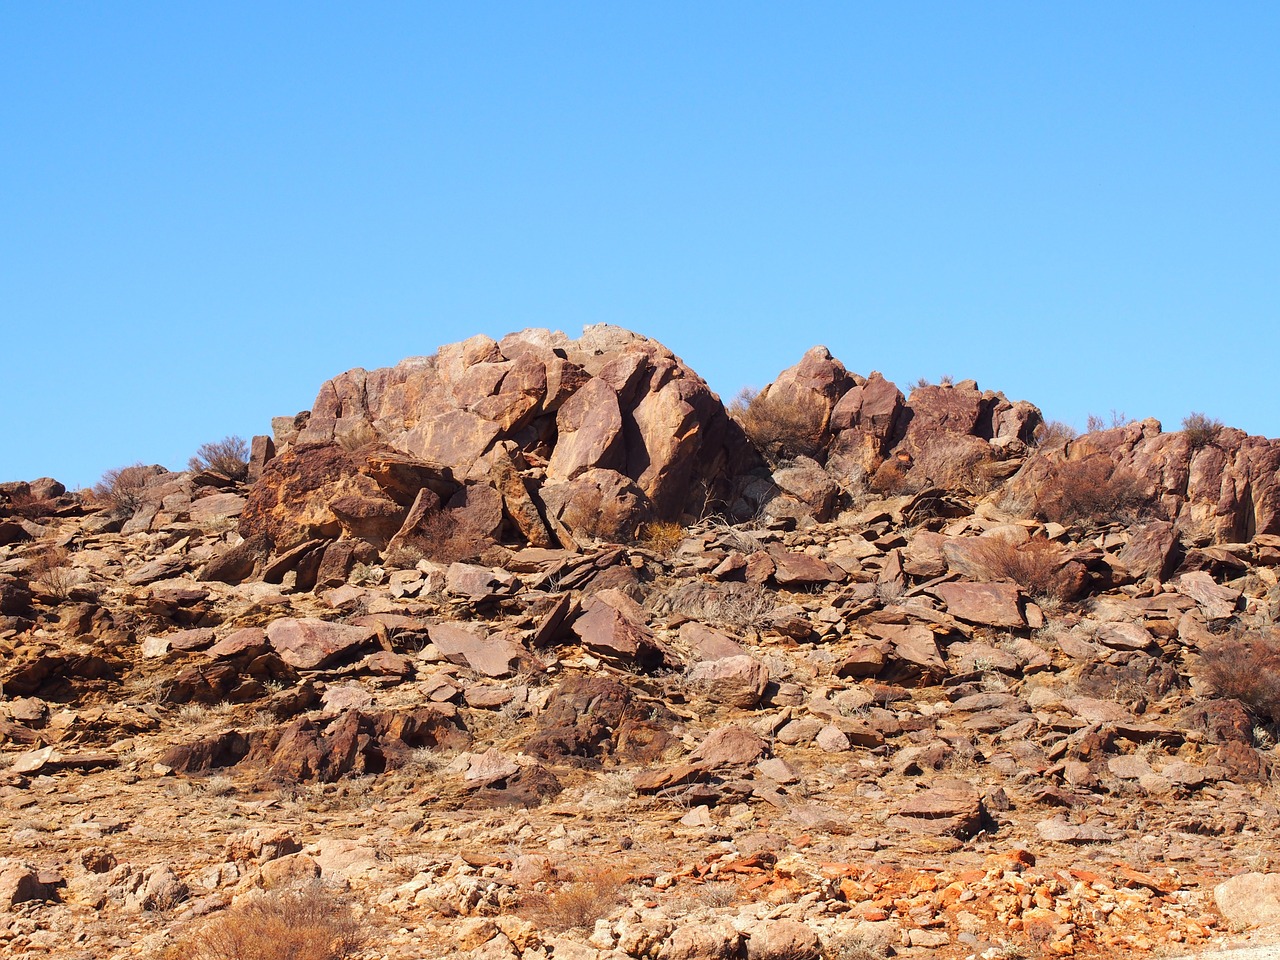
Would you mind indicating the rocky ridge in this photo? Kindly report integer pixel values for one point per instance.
(480, 625)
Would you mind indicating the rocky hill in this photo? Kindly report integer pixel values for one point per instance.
(531, 650)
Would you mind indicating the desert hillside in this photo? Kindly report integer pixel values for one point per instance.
(533, 650)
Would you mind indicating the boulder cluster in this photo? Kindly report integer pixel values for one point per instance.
(531, 650)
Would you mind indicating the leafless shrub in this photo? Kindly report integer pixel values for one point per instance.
(1200, 429)
(779, 426)
(578, 903)
(307, 923)
(23, 503)
(1091, 489)
(439, 537)
(50, 570)
(1036, 566)
(1119, 418)
(1246, 668)
(123, 489)
(1054, 433)
(228, 457)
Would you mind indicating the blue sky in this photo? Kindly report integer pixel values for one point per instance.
(207, 210)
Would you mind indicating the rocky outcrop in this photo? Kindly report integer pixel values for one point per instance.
(1224, 490)
(559, 439)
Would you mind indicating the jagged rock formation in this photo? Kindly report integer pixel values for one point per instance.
(536, 437)
(933, 689)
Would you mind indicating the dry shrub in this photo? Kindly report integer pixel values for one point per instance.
(1036, 566)
(1200, 429)
(892, 479)
(307, 923)
(438, 537)
(24, 503)
(228, 457)
(1246, 668)
(1092, 489)
(123, 489)
(1054, 433)
(576, 902)
(779, 426)
(661, 537)
(50, 570)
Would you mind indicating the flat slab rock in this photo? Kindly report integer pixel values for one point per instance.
(986, 604)
(309, 644)
(950, 808)
(489, 655)
(1058, 830)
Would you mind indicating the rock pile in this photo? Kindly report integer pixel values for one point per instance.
(907, 691)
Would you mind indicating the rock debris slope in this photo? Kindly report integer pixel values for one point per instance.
(530, 650)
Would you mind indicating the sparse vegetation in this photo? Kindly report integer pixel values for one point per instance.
(1246, 668)
(228, 457)
(1036, 565)
(778, 425)
(586, 897)
(1054, 433)
(1090, 489)
(50, 569)
(661, 537)
(439, 537)
(1200, 429)
(123, 489)
(1118, 419)
(306, 923)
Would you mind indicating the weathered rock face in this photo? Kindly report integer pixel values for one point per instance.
(1227, 490)
(866, 433)
(612, 426)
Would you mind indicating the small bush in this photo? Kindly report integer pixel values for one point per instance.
(439, 537)
(661, 537)
(578, 903)
(1246, 668)
(123, 489)
(1200, 430)
(228, 457)
(779, 426)
(1118, 419)
(302, 924)
(1036, 566)
(1090, 490)
(1054, 433)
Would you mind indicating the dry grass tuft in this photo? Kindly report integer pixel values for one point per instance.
(307, 923)
(661, 537)
(578, 903)
(228, 457)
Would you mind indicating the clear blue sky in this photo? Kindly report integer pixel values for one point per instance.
(208, 209)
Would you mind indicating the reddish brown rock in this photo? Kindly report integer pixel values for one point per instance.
(309, 644)
(951, 808)
(988, 604)
(738, 681)
(492, 656)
